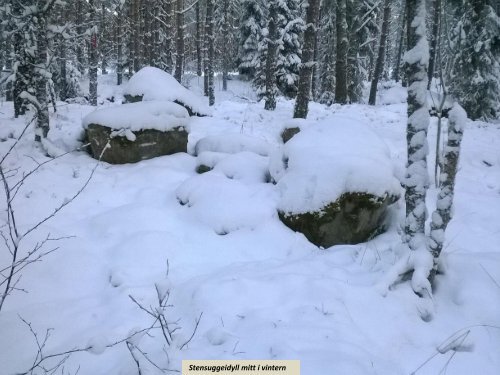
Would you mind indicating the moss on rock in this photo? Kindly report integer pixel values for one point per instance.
(149, 143)
(353, 218)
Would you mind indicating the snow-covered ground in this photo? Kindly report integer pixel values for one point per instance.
(216, 242)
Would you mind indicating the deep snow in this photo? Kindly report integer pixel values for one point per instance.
(265, 291)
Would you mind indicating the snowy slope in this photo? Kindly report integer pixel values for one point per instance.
(264, 291)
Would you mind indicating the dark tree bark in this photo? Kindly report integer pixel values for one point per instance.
(79, 29)
(168, 32)
(199, 56)
(402, 21)
(93, 55)
(103, 44)
(270, 95)
(136, 22)
(119, 46)
(436, 26)
(211, 51)
(225, 46)
(307, 64)
(379, 66)
(179, 52)
(342, 49)
(41, 71)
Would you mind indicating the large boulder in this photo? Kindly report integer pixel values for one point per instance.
(336, 182)
(153, 84)
(133, 132)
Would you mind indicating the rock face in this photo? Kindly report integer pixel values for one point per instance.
(288, 133)
(148, 143)
(353, 218)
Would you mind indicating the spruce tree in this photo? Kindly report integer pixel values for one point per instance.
(289, 25)
(475, 75)
(250, 35)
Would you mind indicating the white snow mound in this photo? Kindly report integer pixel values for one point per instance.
(159, 115)
(328, 159)
(156, 84)
(232, 144)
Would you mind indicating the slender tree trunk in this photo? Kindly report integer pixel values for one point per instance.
(41, 72)
(137, 32)
(272, 47)
(434, 40)
(103, 41)
(307, 64)
(402, 20)
(205, 57)
(379, 66)
(443, 214)
(179, 53)
(168, 32)
(93, 61)
(342, 49)
(211, 51)
(63, 89)
(79, 29)
(119, 47)
(225, 46)
(199, 55)
(416, 178)
(21, 65)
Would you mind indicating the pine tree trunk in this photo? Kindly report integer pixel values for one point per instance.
(179, 53)
(21, 64)
(416, 178)
(119, 47)
(41, 72)
(205, 56)
(270, 95)
(397, 65)
(63, 89)
(199, 56)
(307, 64)
(103, 41)
(93, 58)
(443, 214)
(379, 66)
(168, 31)
(136, 22)
(434, 40)
(79, 29)
(211, 51)
(225, 46)
(342, 49)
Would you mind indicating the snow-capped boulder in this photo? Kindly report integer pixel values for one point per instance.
(336, 181)
(151, 83)
(137, 131)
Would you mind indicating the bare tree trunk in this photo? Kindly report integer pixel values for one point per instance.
(211, 51)
(443, 214)
(416, 179)
(136, 22)
(103, 44)
(225, 46)
(379, 66)
(342, 49)
(79, 30)
(205, 57)
(92, 56)
(198, 40)
(272, 47)
(179, 53)
(434, 40)
(63, 89)
(402, 18)
(119, 47)
(41, 72)
(167, 24)
(307, 64)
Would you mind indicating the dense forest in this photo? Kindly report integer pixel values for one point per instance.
(317, 50)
